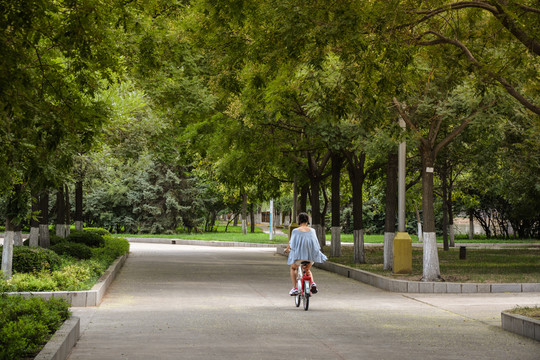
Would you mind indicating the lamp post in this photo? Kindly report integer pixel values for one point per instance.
(271, 219)
(402, 263)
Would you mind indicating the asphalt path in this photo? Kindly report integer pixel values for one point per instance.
(200, 302)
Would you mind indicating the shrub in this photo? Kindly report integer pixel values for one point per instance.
(29, 260)
(27, 324)
(55, 239)
(99, 231)
(72, 277)
(88, 238)
(42, 281)
(76, 250)
(114, 247)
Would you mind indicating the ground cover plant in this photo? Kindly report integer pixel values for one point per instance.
(480, 266)
(532, 312)
(69, 265)
(27, 324)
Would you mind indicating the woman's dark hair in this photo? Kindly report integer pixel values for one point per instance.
(303, 218)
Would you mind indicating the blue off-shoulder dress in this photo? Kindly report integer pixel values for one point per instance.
(305, 246)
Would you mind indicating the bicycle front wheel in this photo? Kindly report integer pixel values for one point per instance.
(305, 300)
(306, 295)
(298, 294)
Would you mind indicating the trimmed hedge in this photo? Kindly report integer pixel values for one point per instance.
(55, 239)
(99, 231)
(88, 238)
(74, 275)
(73, 249)
(114, 247)
(34, 260)
(27, 324)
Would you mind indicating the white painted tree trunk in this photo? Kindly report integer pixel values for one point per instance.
(431, 270)
(79, 225)
(335, 250)
(359, 256)
(452, 235)
(7, 254)
(419, 227)
(389, 250)
(17, 238)
(61, 230)
(33, 239)
(321, 236)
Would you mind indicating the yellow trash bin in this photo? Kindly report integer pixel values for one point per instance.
(402, 253)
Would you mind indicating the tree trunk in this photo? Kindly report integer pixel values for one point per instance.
(471, 224)
(244, 213)
(33, 240)
(7, 250)
(44, 236)
(294, 214)
(79, 205)
(316, 209)
(444, 181)
(303, 198)
(17, 238)
(431, 269)
(390, 210)
(356, 175)
(451, 218)
(60, 213)
(337, 164)
(13, 211)
(419, 225)
(68, 211)
(252, 217)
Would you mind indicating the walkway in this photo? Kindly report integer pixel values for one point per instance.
(191, 302)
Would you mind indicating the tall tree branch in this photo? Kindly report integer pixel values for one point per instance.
(458, 130)
(497, 10)
(509, 88)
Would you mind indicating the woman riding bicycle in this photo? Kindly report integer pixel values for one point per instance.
(304, 245)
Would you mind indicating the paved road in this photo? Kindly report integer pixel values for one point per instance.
(191, 302)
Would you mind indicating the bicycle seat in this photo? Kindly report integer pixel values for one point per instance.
(304, 262)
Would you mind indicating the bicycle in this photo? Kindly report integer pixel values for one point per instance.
(302, 284)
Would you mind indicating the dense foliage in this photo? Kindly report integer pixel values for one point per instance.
(76, 266)
(27, 324)
(164, 115)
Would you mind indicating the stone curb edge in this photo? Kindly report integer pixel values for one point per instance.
(521, 325)
(198, 242)
(406, 286)
(86, 298)
(62, 342)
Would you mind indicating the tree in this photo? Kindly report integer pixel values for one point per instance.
(509, 30)
(425, 119)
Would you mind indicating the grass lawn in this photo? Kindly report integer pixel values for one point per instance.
(481, 265)
(234, 233)
(532, 312)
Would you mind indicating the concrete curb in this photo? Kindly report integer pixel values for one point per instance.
(86, 298)
(198, 242)
(521, 325)
(64, 339)
(407, 286)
